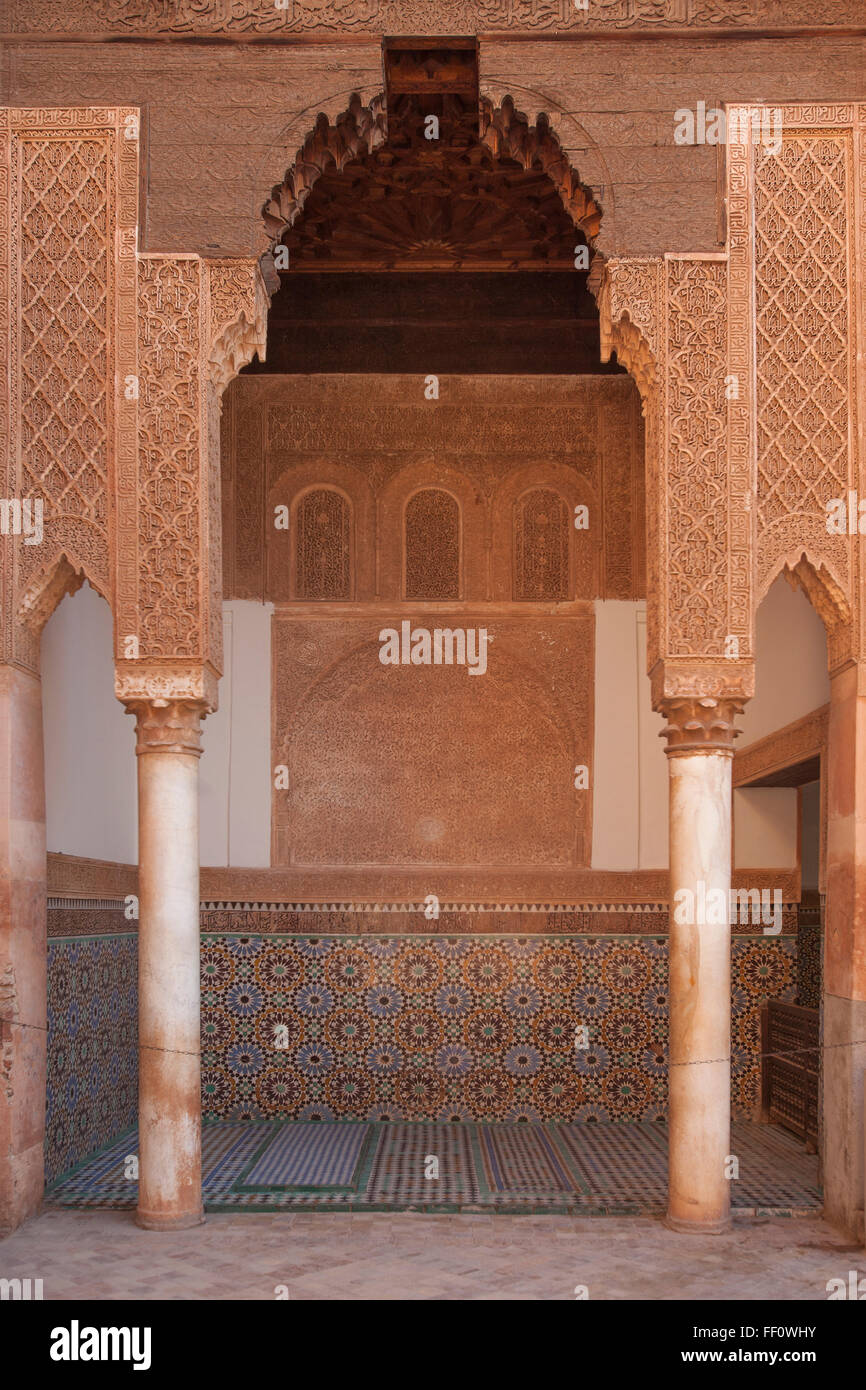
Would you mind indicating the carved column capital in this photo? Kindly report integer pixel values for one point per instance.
(700, 724)
(167, 726)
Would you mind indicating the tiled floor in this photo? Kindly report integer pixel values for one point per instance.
(585, 1169)
(379, 1256)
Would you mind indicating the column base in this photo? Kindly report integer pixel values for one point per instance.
(163, 1221)
(697, 1228)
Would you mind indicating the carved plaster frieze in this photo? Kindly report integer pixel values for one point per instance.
(794, 743)
(335, 18)
(666, 319)
(168, 587)
(139, 682)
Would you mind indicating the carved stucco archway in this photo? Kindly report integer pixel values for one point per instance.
(131, 486)
(179, 327)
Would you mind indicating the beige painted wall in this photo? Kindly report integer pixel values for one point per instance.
(90, 745)
(765, 828)
(790, 680)
(790, 663)
(90, 773)
(630, 809)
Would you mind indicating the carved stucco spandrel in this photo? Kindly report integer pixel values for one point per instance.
(68, 225)
(798, 246)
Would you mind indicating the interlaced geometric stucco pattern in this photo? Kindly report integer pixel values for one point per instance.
(169, 457)
(64, 342)
(697, 488)
(802, 321)
(64, 258)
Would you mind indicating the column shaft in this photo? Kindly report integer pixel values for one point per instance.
(169, 1105)
(23, 947)
(700, 736)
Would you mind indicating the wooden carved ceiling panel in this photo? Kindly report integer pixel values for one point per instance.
(372, 192)
(432, 209)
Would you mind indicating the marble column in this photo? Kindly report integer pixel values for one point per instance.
(169, 1105)
(700, 734)
(23, 947)
(844, 1021)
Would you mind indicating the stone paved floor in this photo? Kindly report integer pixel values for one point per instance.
(103, 1255)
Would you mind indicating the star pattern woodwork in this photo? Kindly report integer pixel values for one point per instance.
(370, 192)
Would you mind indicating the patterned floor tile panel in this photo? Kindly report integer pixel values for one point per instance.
(307, 1156)
(614, 1169)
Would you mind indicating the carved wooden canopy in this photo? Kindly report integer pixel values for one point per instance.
(491, 191)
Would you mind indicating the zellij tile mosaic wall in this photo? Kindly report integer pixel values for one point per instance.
(391, 1028)
(92, 1085)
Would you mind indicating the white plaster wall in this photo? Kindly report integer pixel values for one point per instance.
(235, 769)
(90, 772)
(630, 808)
(790, 663)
